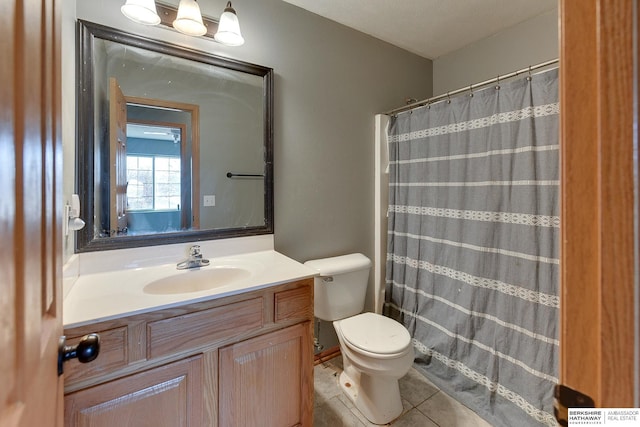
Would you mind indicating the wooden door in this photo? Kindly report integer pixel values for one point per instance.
(30, 213)
(117, 159)
(596, 99)
(267, 380)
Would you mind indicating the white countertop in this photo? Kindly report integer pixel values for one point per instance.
(111, 294)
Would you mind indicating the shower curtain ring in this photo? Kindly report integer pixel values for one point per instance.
(471, 91)
(448, 98)
(529, 76)
(498, 82)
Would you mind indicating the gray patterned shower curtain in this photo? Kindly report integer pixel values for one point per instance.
(473, 246)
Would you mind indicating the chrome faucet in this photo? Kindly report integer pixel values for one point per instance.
(195, 259)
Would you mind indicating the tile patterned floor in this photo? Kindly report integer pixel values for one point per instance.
(424, 405)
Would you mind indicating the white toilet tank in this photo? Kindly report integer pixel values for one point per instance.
(340, 290)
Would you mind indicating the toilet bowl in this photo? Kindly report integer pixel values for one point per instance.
(376, 350)
(371, 372)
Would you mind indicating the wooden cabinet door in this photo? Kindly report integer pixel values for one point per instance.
(268, 380)
(168, 396)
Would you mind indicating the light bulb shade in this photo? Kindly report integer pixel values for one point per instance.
(189, 19)
(141, 11)
(229, 28)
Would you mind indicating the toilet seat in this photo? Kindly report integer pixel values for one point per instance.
(376, 335)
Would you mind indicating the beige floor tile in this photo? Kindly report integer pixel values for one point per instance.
(406, 407)
(413, 418)
(415, 388)
(325, 382)
(448, 412)
(333, 413)
(423, 404)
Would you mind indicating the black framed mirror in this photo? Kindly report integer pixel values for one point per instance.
(173, 144)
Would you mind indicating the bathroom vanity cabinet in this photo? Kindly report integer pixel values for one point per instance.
(240, 360)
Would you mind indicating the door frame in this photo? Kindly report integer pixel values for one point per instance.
(598, 299)
(186, 217)
(194, 155)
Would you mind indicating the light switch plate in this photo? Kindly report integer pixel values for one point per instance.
(209, 200)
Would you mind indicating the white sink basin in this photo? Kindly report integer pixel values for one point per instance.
(107, 295)
(196, 280)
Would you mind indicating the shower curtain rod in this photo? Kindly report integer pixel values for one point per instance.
(469, 88)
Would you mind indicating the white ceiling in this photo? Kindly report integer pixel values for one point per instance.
(429, 28)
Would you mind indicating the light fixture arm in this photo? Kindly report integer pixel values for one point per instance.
(229, 8)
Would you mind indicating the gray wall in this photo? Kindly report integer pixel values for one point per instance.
(528, 43)
(329, 83)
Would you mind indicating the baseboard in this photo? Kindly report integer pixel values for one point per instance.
(325, 355)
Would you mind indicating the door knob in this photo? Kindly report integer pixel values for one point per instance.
(86, 350)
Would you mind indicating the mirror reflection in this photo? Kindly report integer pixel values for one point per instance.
(154, 193)
(179, 143)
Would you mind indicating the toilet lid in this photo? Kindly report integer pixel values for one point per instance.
(375, 333)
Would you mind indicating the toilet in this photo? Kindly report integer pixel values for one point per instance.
(376, 350)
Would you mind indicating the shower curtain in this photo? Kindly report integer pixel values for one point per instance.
(473, 246)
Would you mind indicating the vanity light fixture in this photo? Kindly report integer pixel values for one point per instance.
(229, 28)
(141, 11)
(189, 19)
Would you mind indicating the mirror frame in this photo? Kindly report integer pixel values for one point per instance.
(85, 143)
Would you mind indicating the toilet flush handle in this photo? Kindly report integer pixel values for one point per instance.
(327, 279)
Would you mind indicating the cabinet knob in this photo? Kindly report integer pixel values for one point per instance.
(86, 350)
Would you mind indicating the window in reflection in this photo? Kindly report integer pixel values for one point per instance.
(153, 183)
(155, 188)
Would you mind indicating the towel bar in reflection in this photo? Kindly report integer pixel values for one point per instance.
(244, 175)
